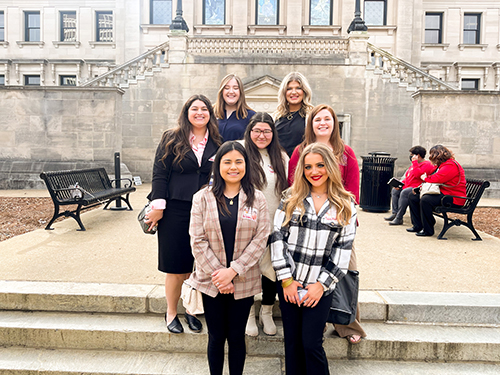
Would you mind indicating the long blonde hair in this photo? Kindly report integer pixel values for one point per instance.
(283, 108)
(301, 188)
(241, 106)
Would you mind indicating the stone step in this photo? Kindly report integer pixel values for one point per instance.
(148, 332)
(68, 362)
(460, 308)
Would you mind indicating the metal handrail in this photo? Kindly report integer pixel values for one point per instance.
(409, 66)
(126, 64)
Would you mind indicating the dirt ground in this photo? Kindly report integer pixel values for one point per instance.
(22, 215)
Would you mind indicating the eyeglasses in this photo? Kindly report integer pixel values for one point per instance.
(266, 132)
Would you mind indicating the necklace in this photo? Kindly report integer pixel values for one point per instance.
(231, 202)
(318, 195)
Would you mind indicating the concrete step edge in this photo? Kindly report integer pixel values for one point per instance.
(148, 332)
(461, 308)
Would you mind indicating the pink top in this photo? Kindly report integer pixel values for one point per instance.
(349, 170)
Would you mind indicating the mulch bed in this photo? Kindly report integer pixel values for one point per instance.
(22, 215)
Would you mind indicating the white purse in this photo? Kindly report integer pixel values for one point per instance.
(192, 299)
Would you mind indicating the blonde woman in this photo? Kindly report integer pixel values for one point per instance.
(231, 108)
(294, 104)
(317, 208)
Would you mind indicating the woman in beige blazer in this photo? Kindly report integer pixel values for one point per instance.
(229, 229)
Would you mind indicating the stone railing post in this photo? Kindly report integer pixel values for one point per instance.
(178, 46)
(358, 54)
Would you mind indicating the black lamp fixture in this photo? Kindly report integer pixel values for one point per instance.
(178, 23)
(357, 23)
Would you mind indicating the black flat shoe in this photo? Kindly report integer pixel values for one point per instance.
(423, 234)
(175, 325)
(390, 218)
(194, 323)
(413, 230)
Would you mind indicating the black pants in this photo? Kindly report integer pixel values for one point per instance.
(303, 329)
(226, 320)
(421, 211)
(268, 291)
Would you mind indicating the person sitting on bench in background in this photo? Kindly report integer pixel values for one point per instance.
(414, 176)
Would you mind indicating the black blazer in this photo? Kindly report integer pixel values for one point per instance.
(186, 178)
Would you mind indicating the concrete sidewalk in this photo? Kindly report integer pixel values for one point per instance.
(114, 250)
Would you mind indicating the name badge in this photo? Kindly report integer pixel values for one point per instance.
(250, 213)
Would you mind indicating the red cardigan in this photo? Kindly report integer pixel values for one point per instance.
(349, 170)
(452, 174)
(412, 176)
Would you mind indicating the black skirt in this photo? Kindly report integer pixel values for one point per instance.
(174, 249)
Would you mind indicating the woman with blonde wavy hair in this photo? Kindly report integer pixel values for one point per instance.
(314, 228)
(231, 108)
(294, 104)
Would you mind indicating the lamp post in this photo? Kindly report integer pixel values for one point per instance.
(357, 23)
(178, 23)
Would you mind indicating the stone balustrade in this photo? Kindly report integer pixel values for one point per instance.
(322, 46)
(397, 70)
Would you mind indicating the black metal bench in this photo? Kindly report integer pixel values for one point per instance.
(94, 188)
(474, 190)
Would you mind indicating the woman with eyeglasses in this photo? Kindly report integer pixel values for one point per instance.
(231, 108)
(270, 162)
(294, 104)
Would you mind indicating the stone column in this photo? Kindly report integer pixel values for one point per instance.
(178, 45)
(358, 54)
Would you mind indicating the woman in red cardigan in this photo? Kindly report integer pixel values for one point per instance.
(452, 177)
(323, 127)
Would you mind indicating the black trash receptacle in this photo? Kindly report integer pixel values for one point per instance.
(377, 170)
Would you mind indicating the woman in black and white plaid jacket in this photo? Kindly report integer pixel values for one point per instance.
(314, 228)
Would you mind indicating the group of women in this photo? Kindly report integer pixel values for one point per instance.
(214, 202)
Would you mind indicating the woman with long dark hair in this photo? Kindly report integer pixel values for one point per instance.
(181, 167)
(229, 231)
(231, 108)
(314, 228)
(270, 162)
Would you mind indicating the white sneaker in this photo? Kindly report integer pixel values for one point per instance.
(266, 320)
(251, 329)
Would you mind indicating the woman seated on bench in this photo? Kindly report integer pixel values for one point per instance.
(451, 176)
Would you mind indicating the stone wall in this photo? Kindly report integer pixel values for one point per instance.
(50, 127)
(466, 123)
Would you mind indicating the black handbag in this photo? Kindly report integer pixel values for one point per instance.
(345, 300)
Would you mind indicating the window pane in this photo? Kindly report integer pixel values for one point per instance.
(214, 12)
(321, 11)
(161, 12)
(470, 84)
(33, 20)
(68, 80)
(2, 35)
(432, 21)
(2, 24)
(68, 26)
(104, 27)
(32, 80)
(432, 36)
(374, 12)
(2, 80)
(267, 12)
(469, 37)
(34, 35)
(470, 22)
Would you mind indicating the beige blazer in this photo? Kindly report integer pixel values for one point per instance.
(252, 231)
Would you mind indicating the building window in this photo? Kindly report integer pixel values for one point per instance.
(2, 80)
(68, 26)
(104, 26)
(320, 12)
(2, 26)
(472, 27)
(67, 80)
(433, 28)
(32, 26)
(375, 12)
(267, 12)
(32, 80)
(214, 12)
(470, 84)
(160, 12)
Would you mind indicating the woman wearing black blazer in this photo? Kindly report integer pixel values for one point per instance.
(182, 166)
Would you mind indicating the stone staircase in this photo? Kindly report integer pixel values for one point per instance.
(67, 328)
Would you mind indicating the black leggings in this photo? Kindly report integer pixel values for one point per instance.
(268, 291)
(226, 320)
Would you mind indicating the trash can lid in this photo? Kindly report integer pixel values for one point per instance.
(379, 153)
